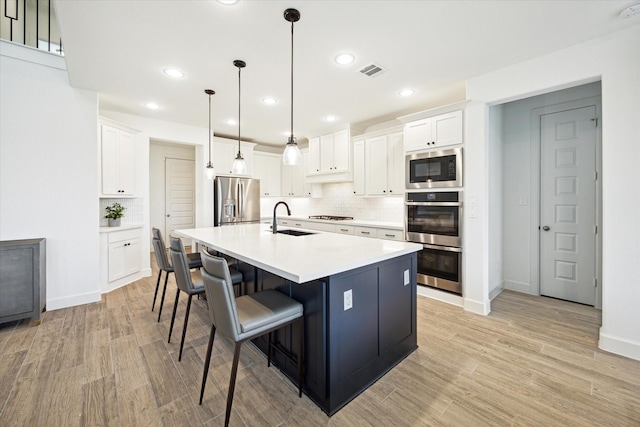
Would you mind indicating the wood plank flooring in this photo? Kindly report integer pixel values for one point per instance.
(532, 361)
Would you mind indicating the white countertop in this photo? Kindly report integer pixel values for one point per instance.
(298, 258)
(119, 228)
(354, 222)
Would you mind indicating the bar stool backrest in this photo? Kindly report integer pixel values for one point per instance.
(220, 296)
(180, 265)
(161, 251)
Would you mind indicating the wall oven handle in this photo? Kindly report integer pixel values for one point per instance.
(442, 248)
(433, 203)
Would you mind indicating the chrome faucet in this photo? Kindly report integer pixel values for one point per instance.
(274, 227)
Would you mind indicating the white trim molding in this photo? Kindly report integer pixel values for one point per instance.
(619, 346)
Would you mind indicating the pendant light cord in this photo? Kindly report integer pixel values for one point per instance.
(209, 128)
(239, 84)
(291, 136)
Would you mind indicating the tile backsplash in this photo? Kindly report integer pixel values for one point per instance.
(338, 199)
(133, 210)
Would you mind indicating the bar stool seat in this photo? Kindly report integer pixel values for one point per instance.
(245, 318)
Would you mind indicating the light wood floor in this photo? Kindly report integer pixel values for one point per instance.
(533, 361)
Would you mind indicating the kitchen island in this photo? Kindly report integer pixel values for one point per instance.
(359, 297)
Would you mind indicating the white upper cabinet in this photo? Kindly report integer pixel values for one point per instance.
(267, 168)
(378, 163)
(434, 132)
(293, 180)
(330, 158)
(118, 162)
(224, 153)
(358, 167)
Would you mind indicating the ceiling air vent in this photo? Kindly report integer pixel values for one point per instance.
(372, 70)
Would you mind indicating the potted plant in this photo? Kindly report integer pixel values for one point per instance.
(114, 213)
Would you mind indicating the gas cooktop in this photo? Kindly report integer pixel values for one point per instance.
(330, 217)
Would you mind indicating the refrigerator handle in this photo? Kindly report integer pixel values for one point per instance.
(240, 199)
(218, 208)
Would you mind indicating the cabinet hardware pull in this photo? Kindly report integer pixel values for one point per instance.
(364, 232)
(390, 235)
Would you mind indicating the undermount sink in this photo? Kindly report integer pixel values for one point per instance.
(294, 232)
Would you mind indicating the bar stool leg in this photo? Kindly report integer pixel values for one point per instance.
(207, 360)
(164, 291)
(269, 350)
(173, 317)
(155, 294)
(232, 382)
(184, 329)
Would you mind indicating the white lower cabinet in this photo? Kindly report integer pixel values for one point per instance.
(357, 230)
(389, 234)
(121, 258)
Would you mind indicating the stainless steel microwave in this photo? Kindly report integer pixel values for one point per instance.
(434, 169)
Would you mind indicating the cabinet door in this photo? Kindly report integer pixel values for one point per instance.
(359, 168)
(117, 260)
(223, 155)
(260, 172)
(313, 167)
(376, 166)
(288, 173)
(395, 164)
(307, 189)
(326, 154)
(127, 163)
(273, 173)
(447, 129)
(297, 183)
(132, 259)
(110, 160)
(341, 148)
(417, 135)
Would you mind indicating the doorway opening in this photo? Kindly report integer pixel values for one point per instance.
(549, 151)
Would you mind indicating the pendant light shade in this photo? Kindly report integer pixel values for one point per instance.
(210, 171)
(291, 155)
(239, 164)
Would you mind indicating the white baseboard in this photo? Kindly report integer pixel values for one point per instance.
(437, 295)
(477, 307)
(525, 288)
(73, 300)
(619, 346)
(146, 272)
(496, 291)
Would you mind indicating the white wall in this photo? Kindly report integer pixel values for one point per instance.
(521, 169)
(615, 60)
(48, 162)
(496, 181)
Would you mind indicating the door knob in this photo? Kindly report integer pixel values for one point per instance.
(546, 228)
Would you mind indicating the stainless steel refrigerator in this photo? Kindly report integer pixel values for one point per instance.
(235, 200)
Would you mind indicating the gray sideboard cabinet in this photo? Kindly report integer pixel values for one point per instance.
(22, 279)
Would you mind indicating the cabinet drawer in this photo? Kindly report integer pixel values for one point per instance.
(344, 229)
(118, 236)
(299, 224)
(383, 233)
(321, 226)
(364, 231)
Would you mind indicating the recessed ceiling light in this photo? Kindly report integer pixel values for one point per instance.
(232, 122)
(269, 101)
(174, 72)
(345, 58)
(228, 2)
(630, 11)
(152, 105)
(330, 118)
(406, 92)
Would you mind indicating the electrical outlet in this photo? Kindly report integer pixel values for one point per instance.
(406, 277)
(348, 299)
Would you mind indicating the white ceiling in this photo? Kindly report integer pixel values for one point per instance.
(119, 49)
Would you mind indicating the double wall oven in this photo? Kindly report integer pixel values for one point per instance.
(434, 219)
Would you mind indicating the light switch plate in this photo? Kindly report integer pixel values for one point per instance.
(348, 299)
(406, 277)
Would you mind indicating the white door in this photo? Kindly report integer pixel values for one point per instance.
(568, 205)
(179, 195)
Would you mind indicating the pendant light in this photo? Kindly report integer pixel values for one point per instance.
(291, 155)
(239, 165)
(209, 171)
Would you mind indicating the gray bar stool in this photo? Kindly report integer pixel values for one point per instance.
(187, 284)
(245, 318)
(164, 265)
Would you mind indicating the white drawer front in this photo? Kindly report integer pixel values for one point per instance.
(299, 224)
(344, 229)
(383, 233)
(119, 236)
(364, 231)
(321, 226)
